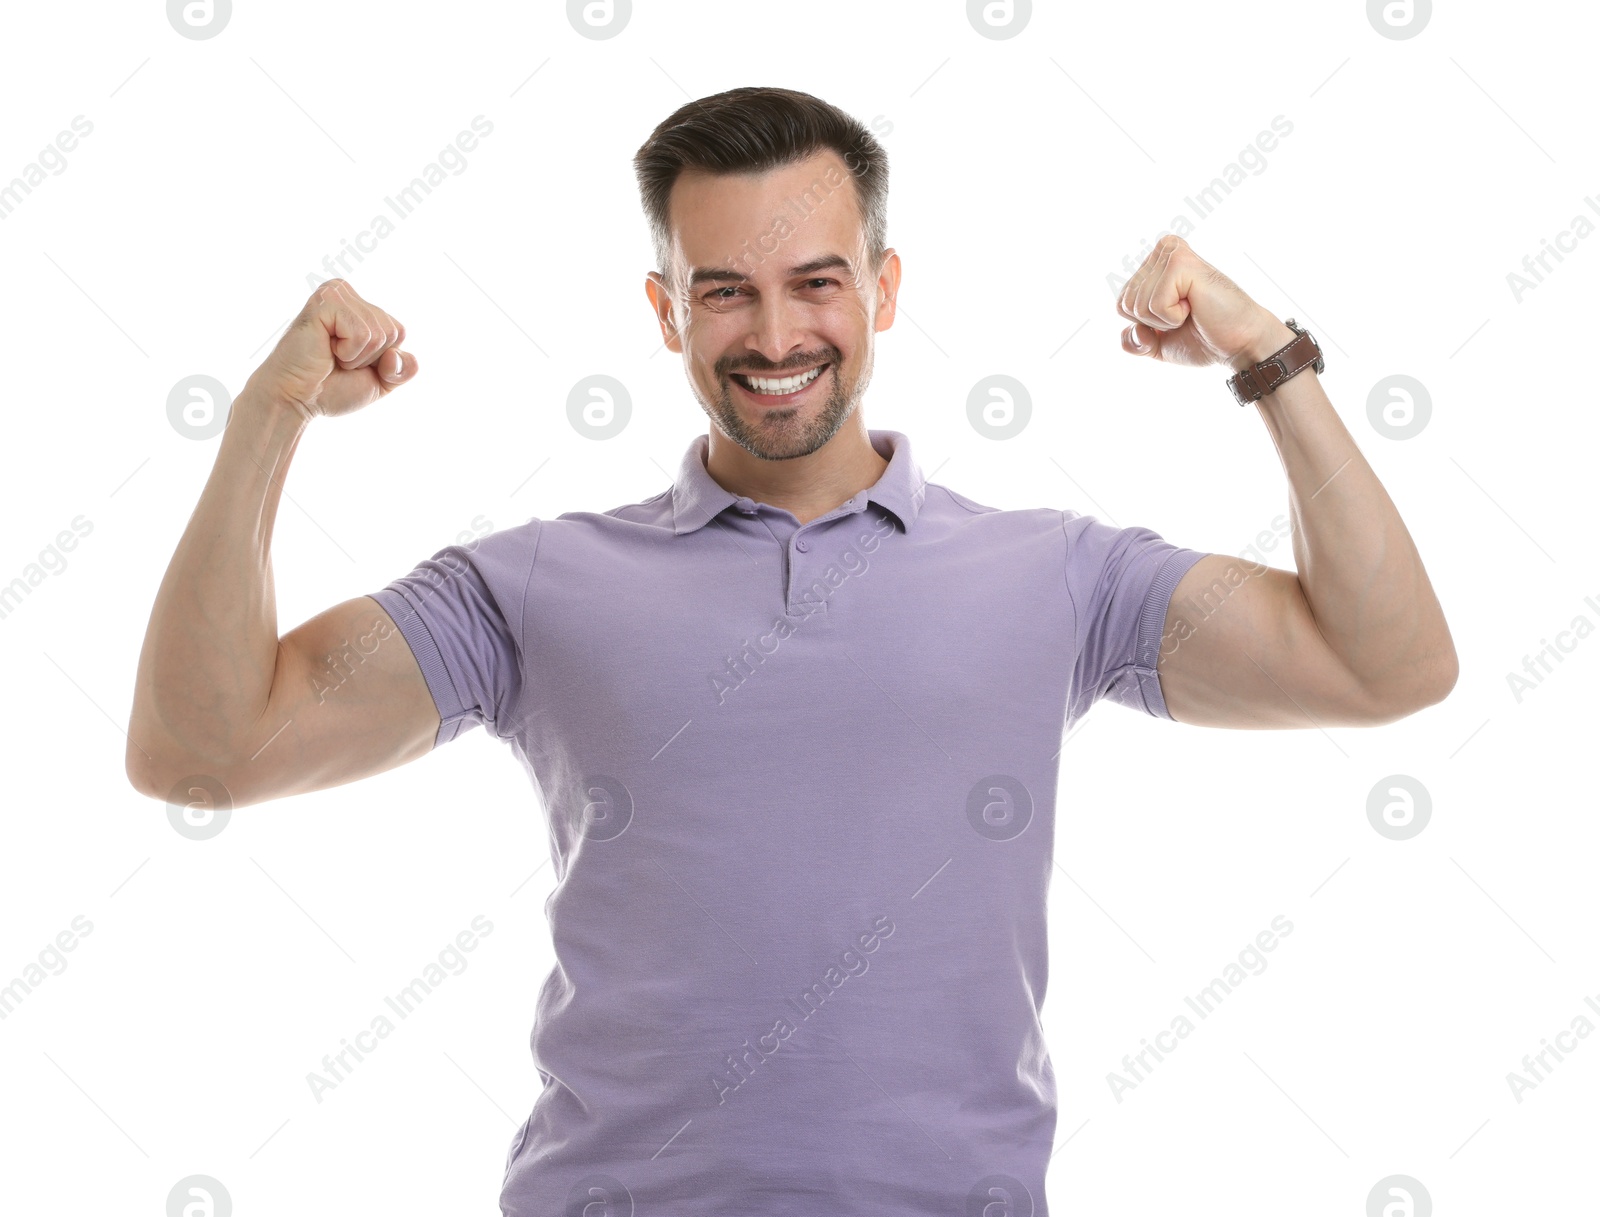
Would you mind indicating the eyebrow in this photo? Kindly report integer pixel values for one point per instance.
(726, 274)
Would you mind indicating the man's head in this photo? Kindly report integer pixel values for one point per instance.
(768, 210)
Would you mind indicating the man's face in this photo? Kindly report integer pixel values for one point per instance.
(773, 302)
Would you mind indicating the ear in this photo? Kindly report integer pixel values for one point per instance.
(888, 290)
(655, 287)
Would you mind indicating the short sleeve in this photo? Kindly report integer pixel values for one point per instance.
(1120, 582)
(460, 611)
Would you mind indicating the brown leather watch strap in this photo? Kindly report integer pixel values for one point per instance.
(1255, 382)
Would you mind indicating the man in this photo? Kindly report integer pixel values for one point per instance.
(796, 719)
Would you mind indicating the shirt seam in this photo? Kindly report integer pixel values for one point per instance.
(970, 508)
(1073, 688)
(522, 628)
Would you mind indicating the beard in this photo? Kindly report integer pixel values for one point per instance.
(781, 433)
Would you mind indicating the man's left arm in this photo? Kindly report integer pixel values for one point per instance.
(1357, 637)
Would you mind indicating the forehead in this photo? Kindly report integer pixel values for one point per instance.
(719, 218)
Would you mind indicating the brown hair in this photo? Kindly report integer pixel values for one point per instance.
(751, 130)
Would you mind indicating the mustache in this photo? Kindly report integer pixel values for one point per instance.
(797, 364)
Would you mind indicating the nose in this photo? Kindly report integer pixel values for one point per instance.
(777, 333)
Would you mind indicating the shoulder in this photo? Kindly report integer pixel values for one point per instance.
(951, 510)
(955, 499)
(656, 511)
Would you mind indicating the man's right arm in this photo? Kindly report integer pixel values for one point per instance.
(218, 693)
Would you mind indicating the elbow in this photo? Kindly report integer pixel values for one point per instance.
(1425, 683)
(1449, 672)
(189, 764)
(147, 774)
(178, 780)
(1439, 675)
(141, 768)
(144, 760)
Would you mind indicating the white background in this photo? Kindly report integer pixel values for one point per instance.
(220, 171)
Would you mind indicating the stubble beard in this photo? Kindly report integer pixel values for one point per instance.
(782, 433)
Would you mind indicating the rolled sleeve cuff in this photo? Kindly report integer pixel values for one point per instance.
(447, 699)
(1152, 624)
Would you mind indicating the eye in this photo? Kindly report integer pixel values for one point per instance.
(823, 282)
(716, 293)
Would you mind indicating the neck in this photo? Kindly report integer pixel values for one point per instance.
(804, 486)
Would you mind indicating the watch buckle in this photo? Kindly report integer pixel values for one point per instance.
(1316, 365)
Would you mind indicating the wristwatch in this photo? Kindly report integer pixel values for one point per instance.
(1262, 378)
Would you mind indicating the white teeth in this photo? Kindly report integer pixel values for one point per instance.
(787, 385)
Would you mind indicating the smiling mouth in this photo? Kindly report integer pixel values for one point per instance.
(777, 386)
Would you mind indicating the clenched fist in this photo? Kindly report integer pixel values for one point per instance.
(1186, 311)
(339, 354)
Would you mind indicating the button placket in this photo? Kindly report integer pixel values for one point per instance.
(799, 545)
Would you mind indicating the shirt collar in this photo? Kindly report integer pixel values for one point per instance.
(697, 499)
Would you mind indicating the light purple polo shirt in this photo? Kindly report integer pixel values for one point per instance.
(800, 788)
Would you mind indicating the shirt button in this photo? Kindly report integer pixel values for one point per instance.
(748, 506)
(801, 546)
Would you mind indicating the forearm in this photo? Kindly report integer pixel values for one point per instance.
(1358, 567)
(210, 650)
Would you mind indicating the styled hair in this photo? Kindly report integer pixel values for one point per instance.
(752, 130)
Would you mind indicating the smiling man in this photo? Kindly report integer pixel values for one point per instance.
(795, 721)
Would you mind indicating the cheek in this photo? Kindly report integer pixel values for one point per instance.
(715, 334)
(852, 318)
